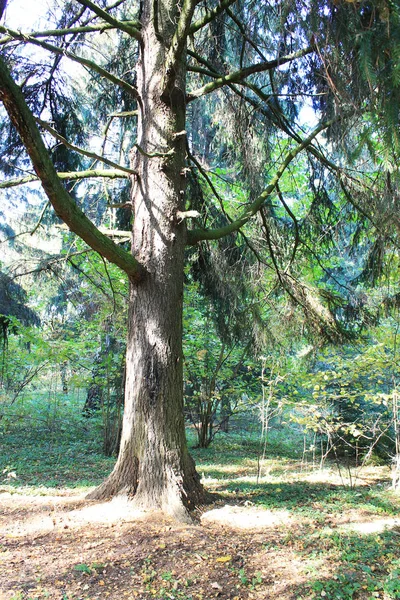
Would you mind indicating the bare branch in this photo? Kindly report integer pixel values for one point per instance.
(178, 44)
(70, 31)
(210, 15)
(295, 224)
(239, 76)
(71, 176)
(27, 39)
(117, 233)
(245, 37)
(125, 113)
(39, 221)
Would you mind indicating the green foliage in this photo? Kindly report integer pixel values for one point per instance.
(46, 442)
(88, 570)
(219, 375)
(369, 565)
(350, 398)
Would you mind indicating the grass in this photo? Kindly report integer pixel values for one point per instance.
(60, 449)
(52, 446)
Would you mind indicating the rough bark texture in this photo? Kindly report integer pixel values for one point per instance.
(154, 464)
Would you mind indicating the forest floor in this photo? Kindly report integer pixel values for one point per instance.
(281, 529)
(292, 534)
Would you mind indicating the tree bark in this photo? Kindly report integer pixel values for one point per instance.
(154, 465)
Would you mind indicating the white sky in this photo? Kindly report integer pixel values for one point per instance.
(24, 14)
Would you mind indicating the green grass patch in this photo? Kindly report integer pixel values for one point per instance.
(50, 445)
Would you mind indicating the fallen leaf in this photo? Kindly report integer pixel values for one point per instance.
(223, 559)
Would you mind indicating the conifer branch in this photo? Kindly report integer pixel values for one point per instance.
(239, 76)
(82, 151)
(63, 204)
(70, 176)
(270, 112)
(197, 235)
(245, 36)
(66, 31)
(123, 114)
(90, 64)
(210, 15)
(132, 31)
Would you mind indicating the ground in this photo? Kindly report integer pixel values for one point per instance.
(289, 533)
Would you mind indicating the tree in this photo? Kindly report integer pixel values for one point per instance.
(254, 62)
(13, 308)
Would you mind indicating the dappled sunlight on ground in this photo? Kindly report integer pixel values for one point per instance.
(284, 532)
(246, 517)
(294, 472)
(371, 526)
(39, 515)
(67, 547)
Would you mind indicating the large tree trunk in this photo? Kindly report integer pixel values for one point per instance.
(154, 465)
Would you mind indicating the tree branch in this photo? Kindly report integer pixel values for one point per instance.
(71, 176)
(27, 39)
(24, 121)
(197, 235)
(239, 76)
(295, 224)
(210, 15)
(98, 157)
(125, 113)
(133, 31)
(68, 31)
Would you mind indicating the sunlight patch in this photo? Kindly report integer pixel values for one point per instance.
(369, 527)
(118, 509)
(246, 517)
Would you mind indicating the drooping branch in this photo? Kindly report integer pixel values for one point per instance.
(64, 206)
(71, 176)
(197, 235)
(319, 316)
(242, 74)
(295, 224)
(90, 64)
(210, 15)
(280, 121)
(133, 31)
(246, 38)
(93, 155)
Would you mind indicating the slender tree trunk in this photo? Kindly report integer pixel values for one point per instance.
(154, 464)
